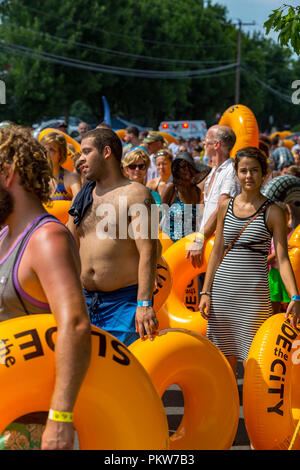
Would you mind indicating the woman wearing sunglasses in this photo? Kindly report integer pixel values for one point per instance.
(135, 165)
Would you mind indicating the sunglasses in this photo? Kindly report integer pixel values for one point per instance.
(133, 166)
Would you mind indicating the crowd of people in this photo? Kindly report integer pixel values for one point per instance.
(99, 269)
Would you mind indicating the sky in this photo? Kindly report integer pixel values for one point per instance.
(254, 10)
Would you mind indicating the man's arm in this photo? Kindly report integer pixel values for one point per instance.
(148, 249)
(195, 251)
(56, 266)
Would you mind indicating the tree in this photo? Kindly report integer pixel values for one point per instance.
(286, 21)
(60, 52)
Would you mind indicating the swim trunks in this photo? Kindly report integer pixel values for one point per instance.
(114, 312)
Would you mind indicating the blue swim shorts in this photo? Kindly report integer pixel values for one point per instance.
(114, 312)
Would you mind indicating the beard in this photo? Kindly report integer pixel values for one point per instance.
(6, 205)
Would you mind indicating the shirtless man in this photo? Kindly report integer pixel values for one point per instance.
(44, 278)
(118, 267)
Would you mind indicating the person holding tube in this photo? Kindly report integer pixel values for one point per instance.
(40, 273)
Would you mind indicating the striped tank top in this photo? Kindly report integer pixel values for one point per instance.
(240, 300)
(14, 301)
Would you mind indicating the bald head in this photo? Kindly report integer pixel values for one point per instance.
(225, 135)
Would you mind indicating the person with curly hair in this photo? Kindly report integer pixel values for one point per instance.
(40, 273)
(64, 184)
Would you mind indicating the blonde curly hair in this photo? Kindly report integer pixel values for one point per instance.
(28, 158)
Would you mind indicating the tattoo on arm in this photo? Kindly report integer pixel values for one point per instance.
(148, 202)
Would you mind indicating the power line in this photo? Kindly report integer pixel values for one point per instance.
(118, 53)
(92, 66)
(130, 37)
(283, 96)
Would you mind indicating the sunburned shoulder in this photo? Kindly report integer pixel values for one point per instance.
(49, 233)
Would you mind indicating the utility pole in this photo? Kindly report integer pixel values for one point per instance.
(238, 60)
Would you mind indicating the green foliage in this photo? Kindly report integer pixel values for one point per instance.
(286, 21)
(144, 36)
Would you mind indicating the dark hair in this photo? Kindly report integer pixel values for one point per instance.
(104, 137)
(252, 152)
(293, 170)
(264, 147)
(103, 124)
(264, 138)
(132, 130)
(183, 156)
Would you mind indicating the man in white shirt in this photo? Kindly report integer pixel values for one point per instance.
(220, 184)
(154, 142)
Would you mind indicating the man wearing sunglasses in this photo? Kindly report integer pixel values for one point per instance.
(118, 262)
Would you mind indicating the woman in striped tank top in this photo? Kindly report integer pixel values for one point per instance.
(65, 184)
(236, 297)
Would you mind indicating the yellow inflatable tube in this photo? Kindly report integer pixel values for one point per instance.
(174, 314)
(211, 400)
(243, 122)
(165, 241)
(117, 407)
(281, 134)
(271, 392)
(59, 209)
(163, 284)
(121, 133)
(294, 253)
(169, 137)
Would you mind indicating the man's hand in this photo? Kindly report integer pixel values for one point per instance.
(58, 436)
(195, 255)
(145, 320)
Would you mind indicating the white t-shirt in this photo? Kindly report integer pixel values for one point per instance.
(225, 182)
(152, 170)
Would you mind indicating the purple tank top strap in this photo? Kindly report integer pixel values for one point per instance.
(36, 224)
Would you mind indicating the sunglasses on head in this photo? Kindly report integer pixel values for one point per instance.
(133, 166)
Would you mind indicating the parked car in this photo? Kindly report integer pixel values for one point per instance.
(55, 123)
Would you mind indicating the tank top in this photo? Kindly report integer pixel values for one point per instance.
(61, 193)
(14, 301)
(182, 219)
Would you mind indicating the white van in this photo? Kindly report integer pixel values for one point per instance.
(185, 129)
